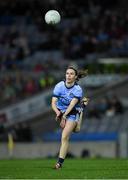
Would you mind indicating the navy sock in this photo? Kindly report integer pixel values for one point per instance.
(60, 161)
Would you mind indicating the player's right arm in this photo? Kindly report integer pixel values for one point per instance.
(54, 107)
(55, 97)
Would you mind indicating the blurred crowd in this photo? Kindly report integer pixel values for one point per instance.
(105, 106)
(85, 29)
(88, 29)
(16, 88)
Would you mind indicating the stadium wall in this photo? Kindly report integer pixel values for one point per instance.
(106, 149)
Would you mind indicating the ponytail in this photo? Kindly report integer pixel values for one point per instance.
(82, 74)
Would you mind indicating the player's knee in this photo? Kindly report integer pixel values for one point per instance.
(77, 129)
(65, 137)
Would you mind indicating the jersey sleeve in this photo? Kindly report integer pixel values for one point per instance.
(57, 90)
(78, 93)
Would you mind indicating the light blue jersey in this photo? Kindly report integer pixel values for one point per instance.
(65, 95)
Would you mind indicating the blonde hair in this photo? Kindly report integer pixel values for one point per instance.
(79, 73)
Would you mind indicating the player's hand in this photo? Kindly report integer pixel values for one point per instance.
(58, 115)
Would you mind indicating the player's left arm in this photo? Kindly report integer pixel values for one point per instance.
(70, 107)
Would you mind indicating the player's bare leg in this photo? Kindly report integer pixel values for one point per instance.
(65, 138)
(70, 125)
(78, 123)
(84, 103)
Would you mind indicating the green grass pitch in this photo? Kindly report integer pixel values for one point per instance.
(72, 169)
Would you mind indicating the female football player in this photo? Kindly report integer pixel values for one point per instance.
(67, 103)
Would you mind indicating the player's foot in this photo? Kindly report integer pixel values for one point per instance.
(58, 166)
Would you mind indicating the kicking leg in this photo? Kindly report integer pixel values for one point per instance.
(79, 122)
(84, 103)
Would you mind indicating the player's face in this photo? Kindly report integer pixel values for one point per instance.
(70, 76)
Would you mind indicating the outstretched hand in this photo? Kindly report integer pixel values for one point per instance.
(59, 118)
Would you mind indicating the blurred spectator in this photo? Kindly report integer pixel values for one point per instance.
(38, 68)
(106, 106)
(85, 153)
(23, 132)
(9, 92)
(102, 105)
(42, 82)
(19, 85)
(26, 133)
(30, 87)
(118, 106)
